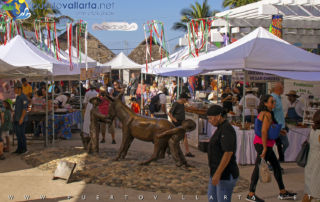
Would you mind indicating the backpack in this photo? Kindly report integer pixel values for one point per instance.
(155, 102)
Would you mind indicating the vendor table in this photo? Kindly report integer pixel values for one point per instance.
(245, 139)
(63, 123)
(62, 120)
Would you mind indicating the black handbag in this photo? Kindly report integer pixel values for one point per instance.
(302, 157)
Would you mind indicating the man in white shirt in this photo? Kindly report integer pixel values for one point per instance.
(90, 94)
(158, 106)
(295, 108)
(62, 100)
(251, 106)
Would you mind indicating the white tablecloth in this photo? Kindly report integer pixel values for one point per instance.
(246, 153)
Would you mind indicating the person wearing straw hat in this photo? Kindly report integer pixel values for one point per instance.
(295, 108)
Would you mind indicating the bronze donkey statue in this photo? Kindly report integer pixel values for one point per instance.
(142, 128)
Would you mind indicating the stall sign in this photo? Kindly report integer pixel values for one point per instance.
(255, 77)
(302, 87)
(237, 76)
(90, 74)
(260, 77)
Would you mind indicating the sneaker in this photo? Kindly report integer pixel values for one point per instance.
(254, 198)
(24, 152)
(113, 142)
(102, 141)
(189, 154)
(287, 196)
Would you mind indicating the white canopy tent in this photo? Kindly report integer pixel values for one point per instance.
(121, 62)
(161, 66)
(258, 51)
(27, 58)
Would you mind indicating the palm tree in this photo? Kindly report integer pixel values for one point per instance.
(237, 3)
(42, 8)
(194, 12)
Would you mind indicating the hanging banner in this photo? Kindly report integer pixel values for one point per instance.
(115, 26)
(276, 25)
(302, 87)
(255, 77)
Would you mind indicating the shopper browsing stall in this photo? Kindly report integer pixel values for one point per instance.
(177, 115)
(222, 147)
(295, 109)
(26, 88)
(227, 99)
(282, 141)
(251, 105)
(88, 106)
(263, 143)
(158, 105)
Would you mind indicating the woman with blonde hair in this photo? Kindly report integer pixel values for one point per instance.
(312, 169)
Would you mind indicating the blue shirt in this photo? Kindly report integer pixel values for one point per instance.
(278, 110)
(21, 104)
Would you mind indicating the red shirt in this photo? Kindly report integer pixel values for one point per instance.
(135, 107)
(104, 106)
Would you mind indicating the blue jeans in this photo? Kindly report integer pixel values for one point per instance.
(223, 191)
(20, 133)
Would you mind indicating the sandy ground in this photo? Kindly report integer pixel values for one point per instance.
(20, 180)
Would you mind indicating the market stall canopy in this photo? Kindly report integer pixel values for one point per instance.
(263, 51)
(21, 53)
(121, 61)
(162, 66)
(258, 51)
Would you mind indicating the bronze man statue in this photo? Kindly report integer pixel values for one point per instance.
(143, 128)
(176, 135)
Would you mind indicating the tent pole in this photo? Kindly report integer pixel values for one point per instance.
(243, 118)
(52, 92)
(178, 88)
(47, 114)
(141, 93)
(81, 123)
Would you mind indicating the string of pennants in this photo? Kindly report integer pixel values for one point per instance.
(46, 35)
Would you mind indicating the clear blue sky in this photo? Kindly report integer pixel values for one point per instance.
(138, 11)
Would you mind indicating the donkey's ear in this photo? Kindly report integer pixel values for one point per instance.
(109, 98)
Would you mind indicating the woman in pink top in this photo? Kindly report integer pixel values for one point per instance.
(104, 109)
(264, 150)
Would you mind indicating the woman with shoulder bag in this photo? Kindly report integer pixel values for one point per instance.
(263, 145)
(312, 169)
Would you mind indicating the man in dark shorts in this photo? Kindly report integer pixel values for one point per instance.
(177, 115)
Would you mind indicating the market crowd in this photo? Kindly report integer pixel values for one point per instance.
(152, 99)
